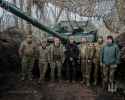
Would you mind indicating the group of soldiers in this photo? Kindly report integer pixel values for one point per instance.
(103, 56)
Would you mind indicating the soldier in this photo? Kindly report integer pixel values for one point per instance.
(27, 51)
(83, 55)
(43, 59)
(90, 57)
(110, 59)
(72, 55)
(97, 63)
(56, 58)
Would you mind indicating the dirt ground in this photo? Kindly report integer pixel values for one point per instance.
(14, 89)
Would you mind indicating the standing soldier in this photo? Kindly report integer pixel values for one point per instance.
(110, 59)
(97, 62)
(83, 55)
(43, 59)
(90, 59)
(56, 58)
(27, 51)
(72, 55)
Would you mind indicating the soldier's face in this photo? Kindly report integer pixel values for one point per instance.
(100, 40)
(71, 39)
(91, 45)
(56, 41)
(29, 39)
(83, 40)
(109, 41)
(44, 44)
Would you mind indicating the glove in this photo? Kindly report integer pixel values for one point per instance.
(101, 64)
(71, 59)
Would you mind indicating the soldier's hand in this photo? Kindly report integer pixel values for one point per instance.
(88, 61)
(114, 66)
(20, 55)
(101, 64)
(71, 59)
(78, 61)
(94, 61)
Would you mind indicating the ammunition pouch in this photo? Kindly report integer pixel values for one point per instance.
(56, 57)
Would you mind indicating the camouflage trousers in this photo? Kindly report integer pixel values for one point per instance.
(97, 68)
(27, 66)
(53, 66)
(43, 69)
(108, 74)
(83, 69)
(88, 71)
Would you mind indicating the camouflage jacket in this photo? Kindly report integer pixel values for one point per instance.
(83, 51)
(28, 50)
(56, 53)
(91, 53)
(43, 54)
(98, 51)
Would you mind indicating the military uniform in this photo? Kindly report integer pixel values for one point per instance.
(108, 75)
(56, 59)
(97, 62)
(43, 61)
(28, 56)
(90, 58)
(83, 60)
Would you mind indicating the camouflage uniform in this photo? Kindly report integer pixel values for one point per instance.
(83, 60)
(97, 62)
(108, 75)
(56, 59)
(28, 57)
(43, 62)
(90, 58)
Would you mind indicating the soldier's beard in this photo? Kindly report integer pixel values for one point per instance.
(29, 42)
(100, 42)
(44, 47)
(57, 44)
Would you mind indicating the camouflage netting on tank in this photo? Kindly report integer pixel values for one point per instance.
(50, 12)
(111, 11)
